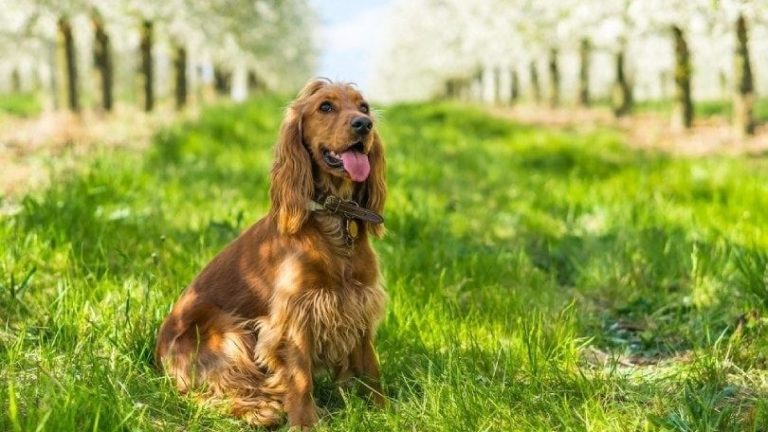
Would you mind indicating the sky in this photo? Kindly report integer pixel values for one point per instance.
(351, 32)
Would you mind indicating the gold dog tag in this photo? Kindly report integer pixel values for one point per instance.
(352, 228)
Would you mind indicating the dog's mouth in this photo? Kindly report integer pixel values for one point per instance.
(352, 160)
(332, 159)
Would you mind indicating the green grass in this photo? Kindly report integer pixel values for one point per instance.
(20, 104)
(705, 109)
(513, 253)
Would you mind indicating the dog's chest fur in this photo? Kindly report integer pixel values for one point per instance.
(338, 318)
(332, 313)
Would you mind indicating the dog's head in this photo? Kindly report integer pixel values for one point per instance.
(328, 141)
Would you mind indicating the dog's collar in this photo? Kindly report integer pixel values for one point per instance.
(348, 209)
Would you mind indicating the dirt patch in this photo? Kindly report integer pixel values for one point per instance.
(650, 131)
(31, 148)
(595, 357)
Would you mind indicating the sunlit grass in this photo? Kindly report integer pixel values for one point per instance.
(20, 104)
(513, 253)
(706, 108)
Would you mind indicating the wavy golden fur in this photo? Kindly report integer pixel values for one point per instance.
(290, 296)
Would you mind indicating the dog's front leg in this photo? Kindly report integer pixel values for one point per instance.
(298, 402)
(366, 367)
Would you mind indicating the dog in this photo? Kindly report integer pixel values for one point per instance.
(299, 291)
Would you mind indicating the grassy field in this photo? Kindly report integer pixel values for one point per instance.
(20, 105)
(704, 109)
(539, 280)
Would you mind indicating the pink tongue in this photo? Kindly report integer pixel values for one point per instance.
(356, 164)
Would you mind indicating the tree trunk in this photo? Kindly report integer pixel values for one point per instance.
(16, 81)
(743, 101)
(147, 65)
(73, 97)
(535, 85)
(515, 92)
(585, 50)
(180, 68)
(622, 91)
(554, 79)
(102, 60)
(255, 85)
(222, 81)
(682, 114)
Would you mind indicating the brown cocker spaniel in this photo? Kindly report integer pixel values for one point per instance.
(299, 291)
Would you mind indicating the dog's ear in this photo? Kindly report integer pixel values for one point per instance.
(291, 184)
(376, 185)
(291, 175)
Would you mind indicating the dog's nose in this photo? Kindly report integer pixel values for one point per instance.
(362, 125)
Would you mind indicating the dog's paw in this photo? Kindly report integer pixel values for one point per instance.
(303, 420)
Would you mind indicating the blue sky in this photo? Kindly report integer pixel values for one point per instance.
(350, 35)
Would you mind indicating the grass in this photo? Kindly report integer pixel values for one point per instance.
(705, 108)
(20, 104)
(516, 256)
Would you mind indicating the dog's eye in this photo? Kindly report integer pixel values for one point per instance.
(364, 108)
(326, 107)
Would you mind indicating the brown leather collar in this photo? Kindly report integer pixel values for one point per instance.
(348, 209)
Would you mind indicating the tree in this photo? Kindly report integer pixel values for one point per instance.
(42, 29)
(16, 81)
(582, 31)
(272, 37)
(743, 117)
(430, 45)
(435, 47)
(180, 73)
(102, 60)
(674, 18)
(222, 80)
(545, 30)
(621, 96)
(554, 78)
(73, 94)
(682, 111)
(608, 28)
(515, 90)
(585, 49)
(736, 16)
(147, 64)
(732, 19)
(535, 85)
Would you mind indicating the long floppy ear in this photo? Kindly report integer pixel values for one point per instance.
(291, 183)
(376, 185)
(291, 175)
